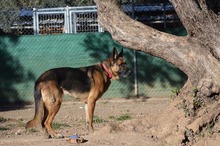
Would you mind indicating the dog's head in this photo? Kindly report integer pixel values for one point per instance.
(116, 66)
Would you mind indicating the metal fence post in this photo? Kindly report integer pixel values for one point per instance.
(74, 23)
(67, 20)
(135, 74)
(135, 59)
(164, 16)
(35, 21)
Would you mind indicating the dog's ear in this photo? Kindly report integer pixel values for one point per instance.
(121, 53)
(114, 54)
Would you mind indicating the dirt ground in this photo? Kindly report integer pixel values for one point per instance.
(118, 122)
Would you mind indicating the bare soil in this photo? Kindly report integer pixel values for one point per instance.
(118, 122)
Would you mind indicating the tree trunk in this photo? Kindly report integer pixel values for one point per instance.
(197, 55)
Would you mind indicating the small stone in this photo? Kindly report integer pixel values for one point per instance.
(18, 132)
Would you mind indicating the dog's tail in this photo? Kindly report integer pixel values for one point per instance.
(39, 110)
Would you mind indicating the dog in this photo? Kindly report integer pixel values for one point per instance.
(86, 83)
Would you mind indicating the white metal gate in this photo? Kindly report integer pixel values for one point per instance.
(66, 20)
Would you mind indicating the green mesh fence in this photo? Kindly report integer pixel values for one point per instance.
(24, 58)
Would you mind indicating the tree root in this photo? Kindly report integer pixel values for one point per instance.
(208, 88)
(206, 118)
(197, 114)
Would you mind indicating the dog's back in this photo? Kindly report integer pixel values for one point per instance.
(69, 79)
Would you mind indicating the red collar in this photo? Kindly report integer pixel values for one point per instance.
(105, 68)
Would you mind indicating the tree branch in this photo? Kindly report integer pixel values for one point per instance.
(180, 51)
(124, 29)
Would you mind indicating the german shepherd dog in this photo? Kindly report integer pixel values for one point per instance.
(86, 83)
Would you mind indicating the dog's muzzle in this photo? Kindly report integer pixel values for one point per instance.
(124, 73)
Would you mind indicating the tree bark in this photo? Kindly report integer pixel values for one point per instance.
(197, 54)
(200, 23)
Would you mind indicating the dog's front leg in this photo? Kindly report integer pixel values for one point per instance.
(89, 109)
(87, 116)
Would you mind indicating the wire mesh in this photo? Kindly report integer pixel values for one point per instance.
(66, 20)
(51, 23)
(86, 22)
(17, 17)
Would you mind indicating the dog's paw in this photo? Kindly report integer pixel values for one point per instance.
(47, 136)
(58, 136)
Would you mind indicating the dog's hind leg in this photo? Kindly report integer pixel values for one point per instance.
(43, 125)
(53, 100)
(52, 111)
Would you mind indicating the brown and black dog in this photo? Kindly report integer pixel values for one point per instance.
(86, 83)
